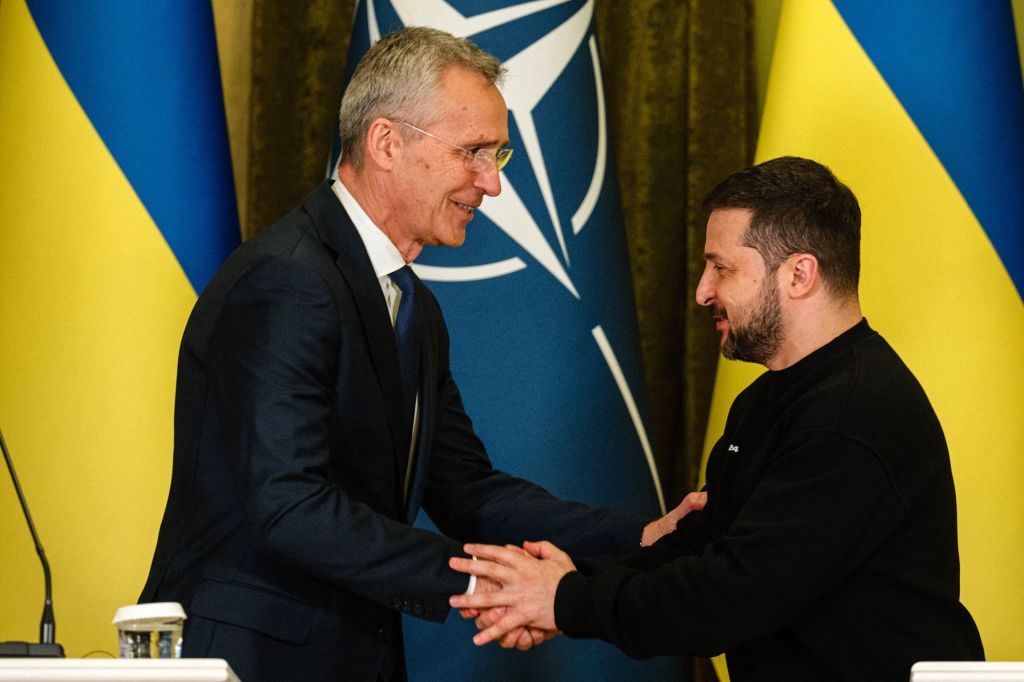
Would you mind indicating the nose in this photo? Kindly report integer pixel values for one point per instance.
(488, 180)
(705, 287)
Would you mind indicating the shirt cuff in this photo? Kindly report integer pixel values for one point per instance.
(472, 581)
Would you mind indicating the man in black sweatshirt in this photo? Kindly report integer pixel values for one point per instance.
(828, 548)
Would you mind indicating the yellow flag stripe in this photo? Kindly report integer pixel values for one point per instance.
(92, 304)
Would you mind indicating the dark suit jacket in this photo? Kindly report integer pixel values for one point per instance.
(286, 536)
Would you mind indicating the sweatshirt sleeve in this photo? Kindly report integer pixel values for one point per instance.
(819, 511)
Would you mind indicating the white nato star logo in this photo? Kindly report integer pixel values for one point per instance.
(531, 73)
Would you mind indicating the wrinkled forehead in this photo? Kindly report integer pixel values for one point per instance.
(461, 91)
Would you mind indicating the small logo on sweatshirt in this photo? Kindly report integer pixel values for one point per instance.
(734, 448)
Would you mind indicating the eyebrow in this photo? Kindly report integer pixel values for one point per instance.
(487, 144)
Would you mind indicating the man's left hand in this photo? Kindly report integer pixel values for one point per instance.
(528, 587)
(523, 638)
(659, 528)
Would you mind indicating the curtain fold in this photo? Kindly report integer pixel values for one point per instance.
(298, 69)
(682, 110)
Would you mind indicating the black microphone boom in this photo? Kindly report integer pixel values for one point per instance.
(47, 628)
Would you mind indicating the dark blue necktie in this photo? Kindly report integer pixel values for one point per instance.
(407, 339)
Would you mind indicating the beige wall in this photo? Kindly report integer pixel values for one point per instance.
(233, 19)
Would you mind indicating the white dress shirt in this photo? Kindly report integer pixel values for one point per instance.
(385, 259)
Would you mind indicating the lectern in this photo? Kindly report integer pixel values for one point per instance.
(117, 669)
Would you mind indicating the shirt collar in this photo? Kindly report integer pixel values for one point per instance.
(384, 255)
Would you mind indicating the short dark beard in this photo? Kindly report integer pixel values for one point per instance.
(760, 338)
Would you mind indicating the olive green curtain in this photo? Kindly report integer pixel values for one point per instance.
(680, 88)
(298, 70)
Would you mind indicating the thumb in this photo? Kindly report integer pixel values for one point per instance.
(541, 550)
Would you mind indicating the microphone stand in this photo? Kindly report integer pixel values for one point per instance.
(46, 648)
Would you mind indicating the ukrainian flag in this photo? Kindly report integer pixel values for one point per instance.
(919, 108)
(116, 206)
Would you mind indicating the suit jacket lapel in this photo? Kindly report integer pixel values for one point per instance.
(339, 234)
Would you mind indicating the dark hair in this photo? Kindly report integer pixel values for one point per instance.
(798, 206)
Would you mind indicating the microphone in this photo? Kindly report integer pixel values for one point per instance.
(46, 648)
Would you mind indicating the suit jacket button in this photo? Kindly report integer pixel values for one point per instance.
(383, 633)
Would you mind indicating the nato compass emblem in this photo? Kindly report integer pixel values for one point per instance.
(539, 304)
(538, 298)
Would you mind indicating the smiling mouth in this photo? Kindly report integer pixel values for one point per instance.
(720, 318)
(465, 207)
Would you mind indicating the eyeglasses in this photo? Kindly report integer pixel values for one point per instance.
(478, 159)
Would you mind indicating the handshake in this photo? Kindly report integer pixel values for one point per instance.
(514, 599)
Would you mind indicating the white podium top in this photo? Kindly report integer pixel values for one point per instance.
(957, 671)
(117, 669)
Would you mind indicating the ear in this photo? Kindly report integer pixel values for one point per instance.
(382, 142)
(803, 275)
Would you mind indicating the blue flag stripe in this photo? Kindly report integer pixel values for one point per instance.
(146, 75)
(955, 68)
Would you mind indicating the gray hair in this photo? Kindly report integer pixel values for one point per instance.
(398, 76)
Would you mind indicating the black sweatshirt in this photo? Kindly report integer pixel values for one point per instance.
(827, 549)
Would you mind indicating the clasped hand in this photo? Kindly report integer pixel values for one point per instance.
(515, 592)
(514, 600)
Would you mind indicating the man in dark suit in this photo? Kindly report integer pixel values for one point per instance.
(308, 435)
